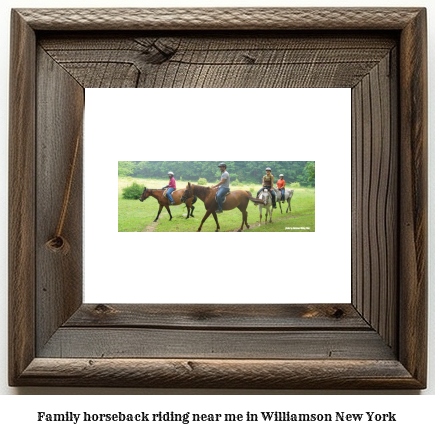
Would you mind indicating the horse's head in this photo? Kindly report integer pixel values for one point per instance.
(265, 196)
(145, 194)
(188, 193)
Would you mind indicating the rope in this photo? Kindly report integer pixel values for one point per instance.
(59, 244)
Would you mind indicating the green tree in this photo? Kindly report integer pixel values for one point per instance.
(310, 172)
(126, 168)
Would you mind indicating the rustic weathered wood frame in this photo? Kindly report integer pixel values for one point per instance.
(377, 341)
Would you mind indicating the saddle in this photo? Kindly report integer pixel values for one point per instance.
(225, 197)
(164, 195)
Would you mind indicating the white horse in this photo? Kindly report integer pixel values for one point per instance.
(266, 198)
(287, 198)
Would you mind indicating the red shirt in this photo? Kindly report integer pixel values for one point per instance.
(280, 183)
(172, 183)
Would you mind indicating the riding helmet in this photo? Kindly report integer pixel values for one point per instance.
(268, 168)
(222, 165)
(171, 173)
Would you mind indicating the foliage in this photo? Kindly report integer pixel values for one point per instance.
(202, 181)
(126, 168)
(242, 171)
(295, 185)
(236, 183)
(310, 172)
(133, 191)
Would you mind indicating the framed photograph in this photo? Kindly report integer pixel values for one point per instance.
(60, 335)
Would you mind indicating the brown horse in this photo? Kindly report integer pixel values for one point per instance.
(164, 201)
(235, 199)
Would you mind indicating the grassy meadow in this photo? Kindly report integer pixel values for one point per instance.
(136, 216)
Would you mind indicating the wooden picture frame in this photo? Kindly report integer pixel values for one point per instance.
(376, 342)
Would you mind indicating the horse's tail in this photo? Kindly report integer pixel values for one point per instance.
(254, 199)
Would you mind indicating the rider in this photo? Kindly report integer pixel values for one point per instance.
(281, 186)
(223, 185)
(268, 183)
(171, 187)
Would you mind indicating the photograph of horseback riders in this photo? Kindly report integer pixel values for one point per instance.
(186, 146)
(216, 196)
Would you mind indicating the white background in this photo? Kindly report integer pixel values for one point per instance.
(228, 125)
(20, 411)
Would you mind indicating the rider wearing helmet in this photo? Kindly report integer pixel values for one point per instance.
(281, 186)
(223, 185)
(171, 187)
(268, 183)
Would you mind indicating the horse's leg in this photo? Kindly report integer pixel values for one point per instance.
(188, 212)
(158, 214)
(207, 214)
(217, 222)
(271, 213)
(191, 210)
(246, 219)
(243, 218)
(169, 211)
(242, 209)
(289, 207)
(261, 213)
(280, 206)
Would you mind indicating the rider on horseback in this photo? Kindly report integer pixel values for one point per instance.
(281, 186)
(223, 185)
(171, 187)
(268, 184)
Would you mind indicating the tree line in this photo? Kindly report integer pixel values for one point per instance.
(242, 171)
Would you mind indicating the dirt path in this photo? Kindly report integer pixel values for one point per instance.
(153, 226)
(255, 225)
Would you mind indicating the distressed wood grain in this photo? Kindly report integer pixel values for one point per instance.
(59, 123)
(21, 225)
(220, 18)
(127, 342)
(376, 198)
(377, 342)
(235, 60)
(414, 187)
(220, 317)
(227, 374)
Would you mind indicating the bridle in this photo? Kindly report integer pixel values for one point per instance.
(145, 198)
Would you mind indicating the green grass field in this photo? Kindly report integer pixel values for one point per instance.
(136, 216)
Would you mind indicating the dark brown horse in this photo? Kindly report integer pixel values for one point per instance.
(164, 201)
(236, 199)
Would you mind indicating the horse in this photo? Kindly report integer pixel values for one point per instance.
(235, 199)
(266, 199)
(287, 198)
(164, 201)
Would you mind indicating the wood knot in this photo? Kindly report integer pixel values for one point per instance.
(58, 244)
(159, 51)
(249, 59)
(338, 313)
(103, 309)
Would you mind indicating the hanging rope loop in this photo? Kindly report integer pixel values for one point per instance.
(59, 244)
